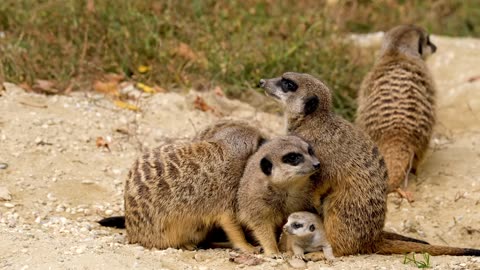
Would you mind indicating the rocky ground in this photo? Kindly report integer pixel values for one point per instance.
(56, 182)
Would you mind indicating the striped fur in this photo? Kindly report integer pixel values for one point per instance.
(396, 103)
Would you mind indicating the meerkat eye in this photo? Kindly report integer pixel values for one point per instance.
(288, 85)
(293, 158)
(312, 228)
(296, 225)
(310, 151)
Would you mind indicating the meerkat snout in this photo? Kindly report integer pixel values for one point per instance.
(261, 83)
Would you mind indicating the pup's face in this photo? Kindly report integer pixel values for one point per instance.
(300, 93)
(287, 159)
(410, 39)
(301, 225)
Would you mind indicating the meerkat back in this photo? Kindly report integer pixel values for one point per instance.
(396, 102)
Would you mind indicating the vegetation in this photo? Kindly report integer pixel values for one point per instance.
(207, 43)
(418, 263)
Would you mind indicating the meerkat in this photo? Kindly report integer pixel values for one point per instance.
(176, 193)
(396, 102)
(276, 182)
(351, 187)
(304, 232)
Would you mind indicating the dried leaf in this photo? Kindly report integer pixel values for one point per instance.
(91, 6)
(245, 259)
(186, 52)
(25, 87)
(108, 88)
(145, 88)
(201, 105)
(45, 86)
(474, 78)
(218, 91)
(100, 142)
(125, 105)
(159, 89)
(143, 69)
(113, 77)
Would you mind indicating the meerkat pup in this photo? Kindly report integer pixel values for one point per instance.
(351, 186)
(304, 232)
(396, 103)
(176, 193)
(276, 182)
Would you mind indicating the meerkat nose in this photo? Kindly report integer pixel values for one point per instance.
(316, 166)
(261, 83)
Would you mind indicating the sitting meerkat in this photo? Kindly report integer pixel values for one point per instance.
(396, 103)
(351, 187)
(176, 193)
(276, 182)
(304, 232)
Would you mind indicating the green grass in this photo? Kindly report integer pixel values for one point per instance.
(418, 263)
(228, 43)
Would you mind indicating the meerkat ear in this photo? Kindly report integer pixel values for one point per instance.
(261, 141)
(312, 228)
(420, 45)
(311, 105)
(266, 166)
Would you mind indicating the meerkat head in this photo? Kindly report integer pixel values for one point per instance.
(286, 160)
(302, 224)
(238, 136)
(300, 93)
(410, 40)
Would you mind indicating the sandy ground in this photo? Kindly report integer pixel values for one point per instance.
(58, 183)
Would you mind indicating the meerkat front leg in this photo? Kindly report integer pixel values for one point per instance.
(298, 252)
(265, 233)
(235, 234)
(328, 252)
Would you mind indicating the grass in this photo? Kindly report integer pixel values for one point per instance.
(208, 43)
(419, 264)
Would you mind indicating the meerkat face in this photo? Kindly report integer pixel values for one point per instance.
(409, 39)
(286, 160)
(300, 93)
(302, 224)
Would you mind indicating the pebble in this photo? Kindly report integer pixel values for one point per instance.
(108, 212)
(80, 250)
(5, 194)
(9, 205)
(3, 166)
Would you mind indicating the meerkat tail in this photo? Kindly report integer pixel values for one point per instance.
(395, 236)
(116, 222)
(398, 158)
(387, 247)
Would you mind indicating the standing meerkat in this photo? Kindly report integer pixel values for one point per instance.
(176, 193)
(304, 232)
(396, 103)
(352, 182)
(276, 182)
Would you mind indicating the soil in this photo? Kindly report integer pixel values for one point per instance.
(58, 183)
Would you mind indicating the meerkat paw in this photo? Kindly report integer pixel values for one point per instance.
(297, 263)
(314, 256)
(405, 194)
(299, 256)
(247, 248)
(189, 247)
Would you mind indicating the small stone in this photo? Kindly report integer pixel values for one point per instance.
(108, 212)
(3, 166)
(24, 250)
(51, 197)
(9, 205)
(87, 182)
(80, 250)
(5, 194)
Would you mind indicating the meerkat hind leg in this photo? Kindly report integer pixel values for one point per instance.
(265, 234)
(235, 234)
(403, 192)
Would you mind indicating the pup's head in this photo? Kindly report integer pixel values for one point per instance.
(300, 93)
(303, 224)
(408, 39)
(286, 160)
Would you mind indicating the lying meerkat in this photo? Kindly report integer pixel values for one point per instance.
(176, 193)
(396, 103)
(304, 232)
(352, 182)
(276, 182)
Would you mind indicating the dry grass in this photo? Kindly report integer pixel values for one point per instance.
(203, 44)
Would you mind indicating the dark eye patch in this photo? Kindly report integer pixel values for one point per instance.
(266, 166)
(296, 225)
(312, 228)
(288, 85)
(293, 158)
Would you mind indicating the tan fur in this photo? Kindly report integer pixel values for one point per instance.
(352, 182)
(176, 193)
(309, 237)
(396, 101)
(265, 200)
